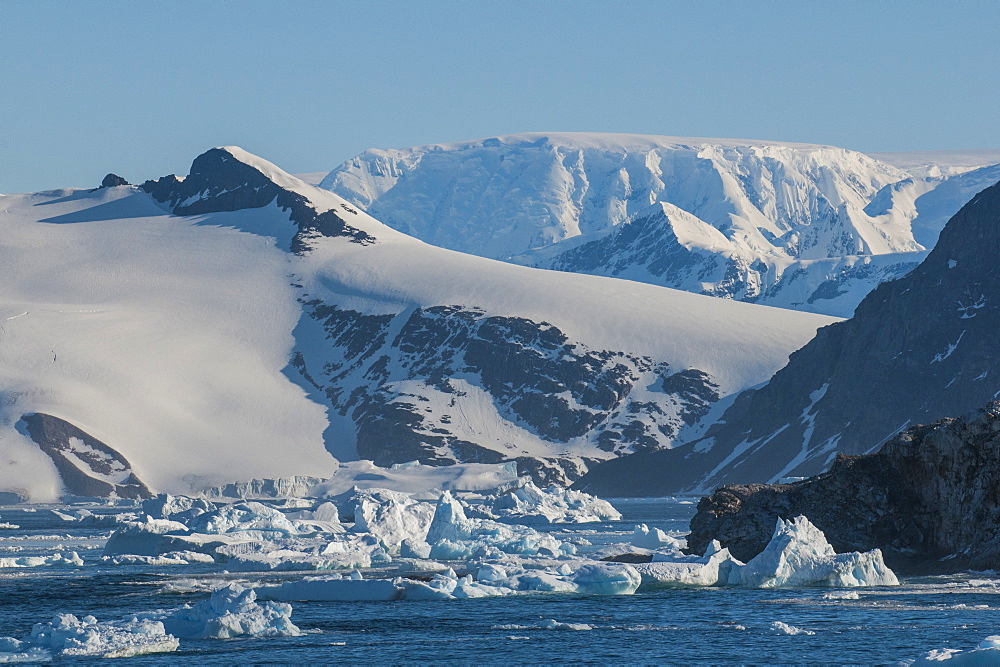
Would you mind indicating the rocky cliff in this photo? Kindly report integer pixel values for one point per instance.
(930, 499)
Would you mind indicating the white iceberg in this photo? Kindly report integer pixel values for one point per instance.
(232, 611)
(454, 536)
(67, 635)
(799, 555)
(58, 560)
(676, 569)
(645, 537)
(524, 502)
(392, 517)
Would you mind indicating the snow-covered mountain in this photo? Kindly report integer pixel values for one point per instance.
(239, 323)
(918, 349)
(798, 226)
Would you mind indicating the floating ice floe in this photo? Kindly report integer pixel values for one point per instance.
(169, 558)
(714, 568)
(232, 611)
(491, 581)
(57, 560)
(392, 517)
(786, 629)
(454, 536)
(523, 502)
(799, 555)
(67, 635)
(986, 653)
(653, 538)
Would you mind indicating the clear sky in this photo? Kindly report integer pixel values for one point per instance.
(140, 87)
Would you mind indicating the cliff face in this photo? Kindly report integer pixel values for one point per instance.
(930, 499)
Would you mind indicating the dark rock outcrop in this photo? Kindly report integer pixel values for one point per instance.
(87, 466)
(930, 499)
(113, 180)
(917, 349)
(220, 182)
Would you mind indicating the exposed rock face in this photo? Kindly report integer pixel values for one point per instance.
(113, 180)
(407, 380)
(87, 466)
(930, 499)
(917, 349)
(220, 182)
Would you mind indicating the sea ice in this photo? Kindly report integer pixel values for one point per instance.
(232, 611)
(646, 538)
(786, 629)
(392, 517)
(67, 635)
(799, 554)
(454, 536)
(523, 502)
(714, 568)
(58, 560)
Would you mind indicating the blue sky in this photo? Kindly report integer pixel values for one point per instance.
(140, 87)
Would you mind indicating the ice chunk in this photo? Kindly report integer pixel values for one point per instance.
(67, 635)
(333, 588)
(453, 535)
(57, 560)
(786, 629)
(232, 611)
(606, 579)
(392, 517)
(523, 502)
(245, 516)
(179, 508)
(553, 624)
(646, 538)
(986, 653)
(799, 554)
(709, 570)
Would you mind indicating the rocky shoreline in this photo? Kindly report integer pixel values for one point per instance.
(929, 499)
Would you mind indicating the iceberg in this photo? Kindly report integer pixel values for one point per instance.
(392, 517)
(799, 555)
(67, 635)
(58, 560)
(524, 502)
(712, 569)
(454, 536)
(232, 611)
(647, 538)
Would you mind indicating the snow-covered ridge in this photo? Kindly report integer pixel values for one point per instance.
(760, 221)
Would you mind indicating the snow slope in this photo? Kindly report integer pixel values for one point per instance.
(167, 321)
(141, 328)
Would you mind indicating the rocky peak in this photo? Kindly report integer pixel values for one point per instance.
(229, 179)
(113, 180)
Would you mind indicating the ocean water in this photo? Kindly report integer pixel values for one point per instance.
(676, 625)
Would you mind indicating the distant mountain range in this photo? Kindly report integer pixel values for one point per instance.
(799, 226)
